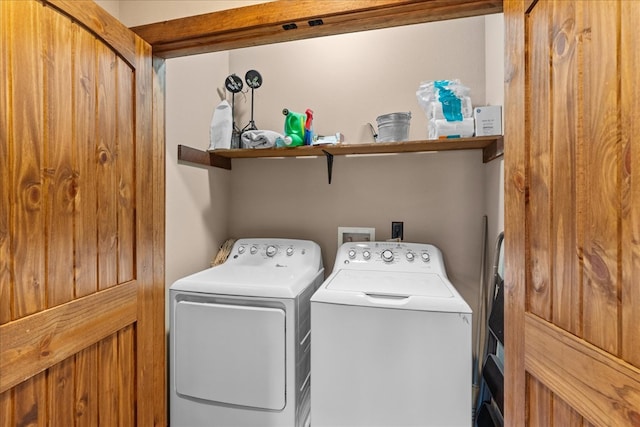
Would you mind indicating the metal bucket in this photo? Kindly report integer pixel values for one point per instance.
(393, 127)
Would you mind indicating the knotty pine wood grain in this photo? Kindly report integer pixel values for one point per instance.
(30, 402)
(86, 387)
(158, 191)
(567, 168)
(37, 342)
(514, 219)
(60, 393)
(27, 134)
(126, 194)
(107, 158)
(582, 356)
(111, 31)
(108, 372)
(564, 415)
(630, 152)
(126, 377)
(26, 72)
(6, 178)
(540, 403)
(598, 385)
(6, 193)
(63, 81)
(6, 409)
(150, 344)
(58, 168)
(539, 165)
(601, 147)
(85, 211)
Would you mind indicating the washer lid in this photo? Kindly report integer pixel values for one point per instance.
(397, 290)
(398, 283)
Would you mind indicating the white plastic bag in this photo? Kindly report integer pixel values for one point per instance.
(445, 99)
(221, 127)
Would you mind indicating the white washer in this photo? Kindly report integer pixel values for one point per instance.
(240, 337)
(391, 340)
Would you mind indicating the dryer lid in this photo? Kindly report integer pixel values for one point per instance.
(396, 283)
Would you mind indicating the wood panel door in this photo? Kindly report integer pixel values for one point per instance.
(572, 213)
(81, 260)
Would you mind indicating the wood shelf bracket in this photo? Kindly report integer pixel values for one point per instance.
(329, 164)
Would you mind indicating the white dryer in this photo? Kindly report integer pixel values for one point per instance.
(391, 340)
(240, 336)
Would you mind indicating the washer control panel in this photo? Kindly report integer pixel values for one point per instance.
(390, 256)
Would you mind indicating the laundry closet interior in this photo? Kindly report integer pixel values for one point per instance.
(108, 194)
(347, 80)
(348, 70)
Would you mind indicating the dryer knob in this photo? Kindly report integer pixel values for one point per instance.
(387, 255)
(253, 250)
(289, 251)
(366, 254)
(271, 250)
(352, 254)
(410, 256)
(426, 257)
(241, 249)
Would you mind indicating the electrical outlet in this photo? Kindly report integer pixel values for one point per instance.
(397, 230)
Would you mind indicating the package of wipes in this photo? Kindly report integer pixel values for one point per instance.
(448, 108)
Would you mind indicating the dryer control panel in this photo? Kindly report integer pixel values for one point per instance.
(390, 256)
(275, 252)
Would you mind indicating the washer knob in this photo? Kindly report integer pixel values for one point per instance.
(366, 254)
(426, 257)
(271, 250)
(352, 253)
(410, 256)
(289, 251)
(241, 249)
(387, 255)
(253, 250)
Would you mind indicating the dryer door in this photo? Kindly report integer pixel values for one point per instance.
(230, 354)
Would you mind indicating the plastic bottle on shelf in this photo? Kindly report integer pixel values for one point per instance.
(308, 127)
(294, 127)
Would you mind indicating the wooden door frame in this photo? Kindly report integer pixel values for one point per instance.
(514, 207)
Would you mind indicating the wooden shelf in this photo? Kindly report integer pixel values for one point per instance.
(492, 147)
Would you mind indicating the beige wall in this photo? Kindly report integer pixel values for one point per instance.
(348, 81)
(494, 171)
(111, 6)
(197, 198)
(140, 12)
(439, 201)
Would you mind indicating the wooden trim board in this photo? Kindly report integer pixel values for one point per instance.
(263, 23)
(37, 342)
